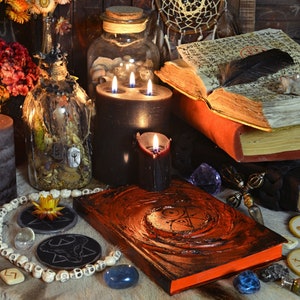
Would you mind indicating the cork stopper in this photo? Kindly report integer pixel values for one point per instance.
(124, 19)
(124, 12)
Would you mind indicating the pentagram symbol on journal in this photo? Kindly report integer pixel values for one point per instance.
(179, 219)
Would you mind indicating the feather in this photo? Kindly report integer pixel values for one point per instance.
(252, 67)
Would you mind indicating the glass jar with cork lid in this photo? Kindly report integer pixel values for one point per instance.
(122, 49)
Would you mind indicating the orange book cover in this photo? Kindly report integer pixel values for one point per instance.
(241, 142)
(182, 237)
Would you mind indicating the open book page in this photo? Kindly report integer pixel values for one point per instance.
(183, 77)
(277, 110)
(207, 56)
(256, 104)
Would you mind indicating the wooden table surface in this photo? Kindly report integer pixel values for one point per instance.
(94, 287)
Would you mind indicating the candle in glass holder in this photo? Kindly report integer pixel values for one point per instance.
(119, 116)
(8, 189)
(154, 161)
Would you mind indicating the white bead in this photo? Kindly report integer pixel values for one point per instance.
(62, 276)
(76, 273)
(29, 266)
(86, 192)
(22, 259)
(8, 206)
(37, 271)
(116, 254)
(15, 203)
(7, 252)
(48, 275)
(88, 270)
(13, 257)
(76, 193)
(55, 193)
(22, 200)
(100, 265)
(110, 261)
(3, 212)
(3, 246)
(65, 193)
(97, 190)
(44, 194)
(34, 196)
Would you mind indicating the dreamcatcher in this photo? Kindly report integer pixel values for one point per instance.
(181, 21)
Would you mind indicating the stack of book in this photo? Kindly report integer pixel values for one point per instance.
(251, 121)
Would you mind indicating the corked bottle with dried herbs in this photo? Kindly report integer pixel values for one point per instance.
(58, 114)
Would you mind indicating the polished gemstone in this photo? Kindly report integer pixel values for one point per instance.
(121, 276)
(24, 239)
(247, 282)
(207, 178)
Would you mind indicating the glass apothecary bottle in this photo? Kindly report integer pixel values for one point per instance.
(122, 49)
(57, 114)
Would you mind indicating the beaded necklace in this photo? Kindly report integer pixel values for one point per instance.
(37, 271)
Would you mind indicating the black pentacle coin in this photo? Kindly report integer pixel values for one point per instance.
(62, 223)
(68, 251)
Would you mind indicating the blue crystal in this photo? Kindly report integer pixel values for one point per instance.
(207, 178)
(121, 276)
(247, 282)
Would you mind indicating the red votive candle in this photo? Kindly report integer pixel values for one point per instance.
(154, 165)
(8, 189)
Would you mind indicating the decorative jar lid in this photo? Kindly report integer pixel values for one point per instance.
(124, 19)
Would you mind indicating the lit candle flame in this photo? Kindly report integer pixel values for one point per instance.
(132, 80)
(114, 85)
(149, 87)
(155, 143)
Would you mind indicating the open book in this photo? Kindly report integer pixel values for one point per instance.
(259, 104)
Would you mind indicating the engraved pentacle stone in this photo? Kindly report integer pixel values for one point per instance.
(45, 226)
(68, 251)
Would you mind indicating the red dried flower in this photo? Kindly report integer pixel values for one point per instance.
(18, 72)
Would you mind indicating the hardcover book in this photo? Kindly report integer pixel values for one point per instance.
(182, 237)
(262, 103)
(243, 143)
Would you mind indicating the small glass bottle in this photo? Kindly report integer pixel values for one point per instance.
(57, 114)
(122, 49)
(291, 284)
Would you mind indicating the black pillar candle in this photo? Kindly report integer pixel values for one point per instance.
(119, 116)
(154, 161)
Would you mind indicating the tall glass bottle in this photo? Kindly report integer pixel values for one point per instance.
(122, 49)
(57, 114)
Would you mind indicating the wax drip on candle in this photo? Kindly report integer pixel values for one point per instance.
(132, 80)
(114, 85)
(149, 87)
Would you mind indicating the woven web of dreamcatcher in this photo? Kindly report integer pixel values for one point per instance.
(190, 16)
